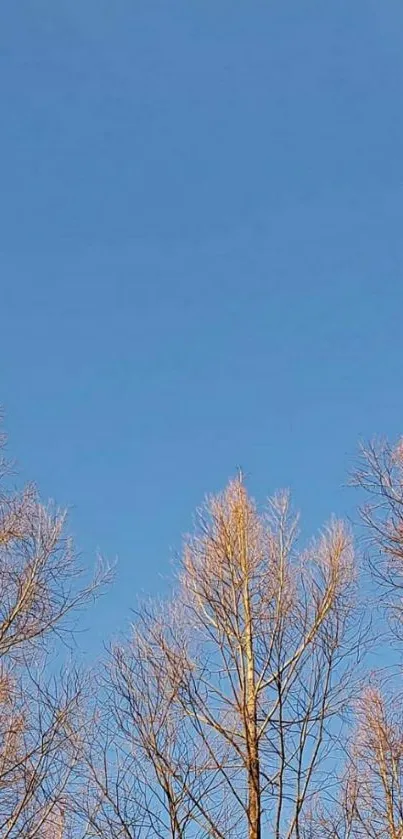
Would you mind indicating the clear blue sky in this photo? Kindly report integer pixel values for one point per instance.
(201, 257)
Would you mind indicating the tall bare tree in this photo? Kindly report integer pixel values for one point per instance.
(227, 703)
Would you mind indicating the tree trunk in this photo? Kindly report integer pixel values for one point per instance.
(252, 742)
(254, 814)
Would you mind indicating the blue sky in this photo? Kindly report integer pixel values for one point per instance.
(201, 258)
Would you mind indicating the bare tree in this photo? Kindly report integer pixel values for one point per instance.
(145, 768)
(232, 697)
(39, 575)
(370, 804)
(40, 717)
(41, 735)
(379, 474)
(370, 800)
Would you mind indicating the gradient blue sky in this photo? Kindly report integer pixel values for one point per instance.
(201, 257)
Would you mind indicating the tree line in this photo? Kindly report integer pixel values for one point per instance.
(257, 699)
